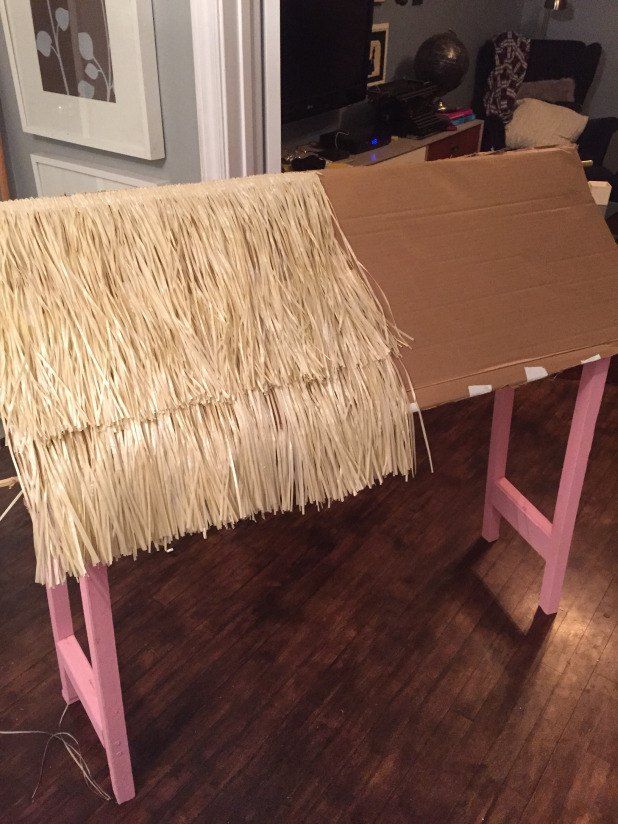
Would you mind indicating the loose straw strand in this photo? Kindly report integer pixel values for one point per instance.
(11, 505)
(72, 747)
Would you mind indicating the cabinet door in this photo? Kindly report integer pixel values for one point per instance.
(457, 144)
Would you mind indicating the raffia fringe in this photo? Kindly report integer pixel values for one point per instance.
(185, 357)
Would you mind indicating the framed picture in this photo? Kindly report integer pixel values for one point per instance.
(85, 71)
(378, 51)
(54, 178)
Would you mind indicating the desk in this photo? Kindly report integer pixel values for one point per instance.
(466, 140)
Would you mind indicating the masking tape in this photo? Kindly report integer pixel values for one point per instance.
(479, 389)
(535, 373)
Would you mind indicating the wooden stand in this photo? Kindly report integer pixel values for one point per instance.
(552, 540)
(97, 686)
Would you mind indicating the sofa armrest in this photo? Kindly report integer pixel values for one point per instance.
(594, 140)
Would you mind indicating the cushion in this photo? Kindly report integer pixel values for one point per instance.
(536, 123)
(551, 91)
(551, 59)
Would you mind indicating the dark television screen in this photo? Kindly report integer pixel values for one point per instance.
(324, 55)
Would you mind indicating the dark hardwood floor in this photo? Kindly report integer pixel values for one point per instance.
(374, 662)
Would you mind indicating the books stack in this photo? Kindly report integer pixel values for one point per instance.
(458, 116)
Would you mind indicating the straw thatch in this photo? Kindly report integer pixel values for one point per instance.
(187, 356)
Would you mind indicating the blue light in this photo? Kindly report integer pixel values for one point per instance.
(374, 141)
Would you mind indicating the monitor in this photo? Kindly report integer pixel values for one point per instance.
(324, 55)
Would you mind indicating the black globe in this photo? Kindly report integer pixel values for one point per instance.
(442, 60)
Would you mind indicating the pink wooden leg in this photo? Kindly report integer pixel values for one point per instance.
(96, 683)
(100, 629)
(502, 500)
(587, 407)
(498, 452)
(62, 628)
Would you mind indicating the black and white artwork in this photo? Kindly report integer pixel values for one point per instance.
(85, 72)
(73, 47)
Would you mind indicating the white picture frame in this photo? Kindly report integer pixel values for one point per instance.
(129, 125)
(54, 177)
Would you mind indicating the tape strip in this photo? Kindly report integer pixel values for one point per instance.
(479, 389)
(591, 359)
(535, 373)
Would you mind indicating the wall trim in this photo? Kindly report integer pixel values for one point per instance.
(210, 93)
(227, 55)
(271, 40)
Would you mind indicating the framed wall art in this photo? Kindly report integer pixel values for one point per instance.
(85, 71)
(55, 178)
(378, 52)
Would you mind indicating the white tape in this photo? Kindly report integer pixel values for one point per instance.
(535, 373)
(591, 359)
(479, 389)
(414, 407)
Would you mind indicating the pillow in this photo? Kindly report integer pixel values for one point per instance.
(536, 123)
(551, 91)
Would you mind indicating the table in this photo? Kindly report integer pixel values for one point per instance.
(465, 140)
(481, 325)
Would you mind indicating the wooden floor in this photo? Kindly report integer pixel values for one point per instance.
(374, 662)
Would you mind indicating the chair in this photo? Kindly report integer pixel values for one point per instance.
(548, 60)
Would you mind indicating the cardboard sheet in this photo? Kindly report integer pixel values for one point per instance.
(499, 266)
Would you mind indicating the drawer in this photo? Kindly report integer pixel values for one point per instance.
(456, 144)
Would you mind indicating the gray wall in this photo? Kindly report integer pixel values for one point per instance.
(593, 21)
(176, 79)
(474, 21)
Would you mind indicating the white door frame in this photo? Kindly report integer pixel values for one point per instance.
(236, 59)
(271, 63)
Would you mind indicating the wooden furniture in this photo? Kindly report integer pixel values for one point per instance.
(356, 199)
(97, 685)
(552, 540)
(466, 140)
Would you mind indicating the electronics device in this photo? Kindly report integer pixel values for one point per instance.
(407, 107)
(354, 142)
(324, 55)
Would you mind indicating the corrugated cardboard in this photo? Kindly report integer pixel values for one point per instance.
(499, 266)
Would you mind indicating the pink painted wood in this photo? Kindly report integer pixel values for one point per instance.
(584, 421)
(96, 684)
(498, 454)
(552, 540)
(62, 628)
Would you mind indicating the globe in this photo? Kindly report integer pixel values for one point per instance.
(442, 60)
